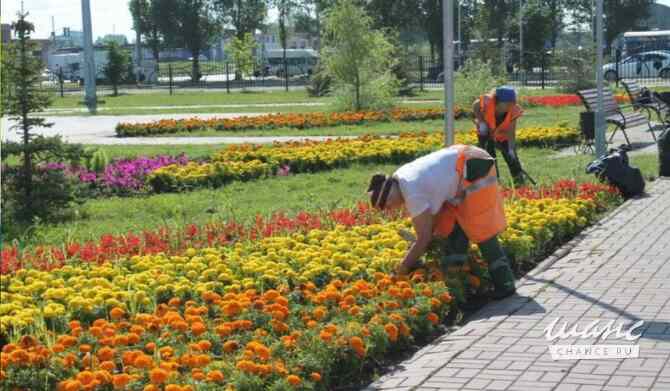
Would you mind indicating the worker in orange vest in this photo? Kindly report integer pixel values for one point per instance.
(453, 194)
(495, 116)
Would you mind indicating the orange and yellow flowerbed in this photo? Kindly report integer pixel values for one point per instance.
(274, 121)
(305, 309)
(243, 162)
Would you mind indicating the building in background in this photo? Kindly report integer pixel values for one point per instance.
(6, 32)
(69, 39)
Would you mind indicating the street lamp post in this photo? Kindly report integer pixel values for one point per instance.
(89, 60)
(520, 35)
(448, 46)
(601, 147)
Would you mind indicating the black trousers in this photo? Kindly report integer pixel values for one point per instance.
(514, 164)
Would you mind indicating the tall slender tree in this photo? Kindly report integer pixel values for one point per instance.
(620, 15)
(22, 95)
(197, 23)
(155, 21)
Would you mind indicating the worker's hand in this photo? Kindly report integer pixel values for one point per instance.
(483, 128)
(402, 269)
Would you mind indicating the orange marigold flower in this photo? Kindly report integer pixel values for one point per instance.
(107, 366)
(85, 377)
(446, 297)
(105, 353)
(172, 387)
(230, 346)
(391, 331)
(433, 318)
(198, 328)
(85, 348)
(120, 381)
(158, 376)
(325, 336)
(143, 361)
(474, 281)
(151, 387)
(198, 375)
(293, 380)
(315, 377)
(204, 345)
(72, 385)
(117, 313)
(215, 376)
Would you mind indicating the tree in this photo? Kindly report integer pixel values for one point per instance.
(284, 8)
(537, 31)
(198, 22)
(246, 16)
(27, 191)
(358, 58)
(155, 21)
(241, 51)
(116, 69)
(620, 15)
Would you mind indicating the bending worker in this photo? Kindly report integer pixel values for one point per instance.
(451, 193)
(495, 116)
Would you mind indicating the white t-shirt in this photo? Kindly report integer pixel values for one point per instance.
(427, 182)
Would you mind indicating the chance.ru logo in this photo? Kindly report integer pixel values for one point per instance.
(593, 329)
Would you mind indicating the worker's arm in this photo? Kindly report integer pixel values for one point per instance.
(477, 113)
(512, 138)
(423, 225)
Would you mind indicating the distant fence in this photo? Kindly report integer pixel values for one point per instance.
(651, 68)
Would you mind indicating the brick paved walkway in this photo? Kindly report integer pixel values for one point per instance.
(618, 269)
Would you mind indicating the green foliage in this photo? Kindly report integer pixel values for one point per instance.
(246, 16)
(620, 16)
(155, 22)
(98, 161)
(241, 52)
(358, 58)
(116, 69)
(473, 79)
(579, 65)
(196, 23)
(320, 83)
(29, 190)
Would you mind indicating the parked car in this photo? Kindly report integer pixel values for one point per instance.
(641, 65)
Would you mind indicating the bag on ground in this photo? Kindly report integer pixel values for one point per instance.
(614, 168)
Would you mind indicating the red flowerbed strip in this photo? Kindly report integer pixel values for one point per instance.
(169, 241)
(562, 100)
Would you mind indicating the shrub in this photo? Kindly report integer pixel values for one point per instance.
(320, 83)
(358, 58)
(473, 79)
(578, 65)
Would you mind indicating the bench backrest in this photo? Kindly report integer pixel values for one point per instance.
(590, 100)
(633, 89)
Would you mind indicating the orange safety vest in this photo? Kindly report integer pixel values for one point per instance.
(478, 205)
(487, 106)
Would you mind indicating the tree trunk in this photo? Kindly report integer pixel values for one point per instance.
(25, 125)
(116, 89)
(282, 37)
(318, 25)
(195, 71)
(357, 102)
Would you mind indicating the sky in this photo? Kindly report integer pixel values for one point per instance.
(108, 16)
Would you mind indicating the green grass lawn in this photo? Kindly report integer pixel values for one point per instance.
(244, 200)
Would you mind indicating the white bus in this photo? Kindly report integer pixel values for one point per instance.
(634, 42)
(298, 62)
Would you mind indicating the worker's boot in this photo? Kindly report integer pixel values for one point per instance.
(499, 268)
(503, 278)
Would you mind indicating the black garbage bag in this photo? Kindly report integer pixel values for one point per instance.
(664, 153)
(614, 168)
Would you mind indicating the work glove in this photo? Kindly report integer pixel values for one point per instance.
(483, 128)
